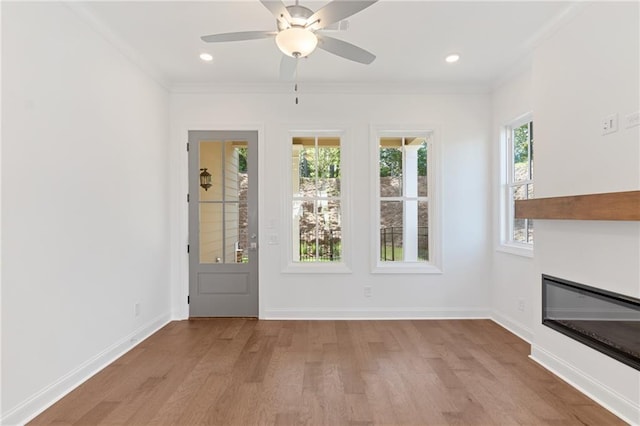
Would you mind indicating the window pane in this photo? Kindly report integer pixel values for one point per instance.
(519, 225)
(391, 228)
(304, 167)
(304, 235)
(521, 153)
(529, 222)
(319, 231)
(329, 171)
(211, 239)
(422, 170)
(423, 231)
(519, 230)
(390, 172)
(329, 231)
(531, 150)
(298, 169)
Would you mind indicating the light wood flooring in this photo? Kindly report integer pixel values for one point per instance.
(249, 372)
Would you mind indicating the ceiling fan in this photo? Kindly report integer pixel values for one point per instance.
(300, 32)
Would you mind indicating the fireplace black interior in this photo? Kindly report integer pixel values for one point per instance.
(606, 321)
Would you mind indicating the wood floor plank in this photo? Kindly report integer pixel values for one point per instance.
(236, 371)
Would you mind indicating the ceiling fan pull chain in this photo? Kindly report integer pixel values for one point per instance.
(295, 86)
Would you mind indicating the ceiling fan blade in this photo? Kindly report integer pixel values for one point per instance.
(288, 68)
(336, 11)
(278, 9)
(344, 49)
(239, 36)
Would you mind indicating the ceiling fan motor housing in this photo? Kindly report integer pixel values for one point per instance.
(299, 15)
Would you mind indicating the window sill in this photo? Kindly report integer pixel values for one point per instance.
(406, 268)
(516, 249)
(316, 268)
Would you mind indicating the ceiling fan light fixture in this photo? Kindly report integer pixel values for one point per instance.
(296, 42)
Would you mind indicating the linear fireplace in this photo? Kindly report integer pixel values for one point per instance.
(606, 321)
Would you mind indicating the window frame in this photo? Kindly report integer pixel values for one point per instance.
(507, 182)
(339, 267)
(434, 264)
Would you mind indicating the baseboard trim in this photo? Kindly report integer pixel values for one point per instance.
(519, 330)
(40, 401)
(375, 314)
(627, 410)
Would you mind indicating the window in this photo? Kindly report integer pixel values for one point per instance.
(405, 203)
(316, 200)
(518, 182)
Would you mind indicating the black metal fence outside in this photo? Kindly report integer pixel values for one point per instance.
(328, 244)
(391, 243)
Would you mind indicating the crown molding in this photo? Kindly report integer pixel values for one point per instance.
(332, 88)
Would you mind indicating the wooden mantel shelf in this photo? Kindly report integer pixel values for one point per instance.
(607, 206)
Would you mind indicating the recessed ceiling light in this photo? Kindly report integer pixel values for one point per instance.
(454, 57)
(206, 57)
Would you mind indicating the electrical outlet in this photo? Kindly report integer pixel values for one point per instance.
(521, 305)
(632, 120)
(136, 309)
(609, 124)
(367, 291)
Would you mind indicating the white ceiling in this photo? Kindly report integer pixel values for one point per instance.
(409, 38)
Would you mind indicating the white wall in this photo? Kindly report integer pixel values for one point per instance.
(462, 121)
(512, 276)
(587, 70)
(85, 209)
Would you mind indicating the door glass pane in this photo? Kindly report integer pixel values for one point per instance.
(242, 251)
(231, 232)
(391, 224)
(211, 160)
(235, 157)
(211, 235)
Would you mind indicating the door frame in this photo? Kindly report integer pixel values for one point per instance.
(179, 165)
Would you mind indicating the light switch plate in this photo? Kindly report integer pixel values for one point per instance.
(610, 124)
